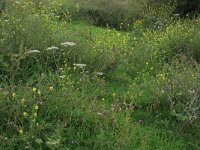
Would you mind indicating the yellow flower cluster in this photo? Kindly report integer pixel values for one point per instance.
(35, 90)
(14, 95)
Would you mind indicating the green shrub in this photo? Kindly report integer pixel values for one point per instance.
(179, 38)
(182, 91)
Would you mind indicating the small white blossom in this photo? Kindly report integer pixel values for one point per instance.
(62, 77)
(46, 15)
(192, 91)
(17, 2)
(100, 73)
(53, 142)
(52, 48)
(99, 113)
(176, 15)
(68, 44)
(33, 51)
(51, 14)
(80, 65)
(39, 141)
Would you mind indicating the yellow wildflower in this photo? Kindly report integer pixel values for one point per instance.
(21, 131)
(36, 107)
(34, 89)
(13, 94)
(39, 92)
(51, 88)
(23, 101)
(35, 114)
(25, 114)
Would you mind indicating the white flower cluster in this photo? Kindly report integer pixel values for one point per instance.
(68, 44)
(52, 48)
(100, 73)
(33, 51)
(56, 48)
(80, 65)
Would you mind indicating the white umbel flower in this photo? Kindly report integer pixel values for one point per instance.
(52, 48)
(100, 73)
(80, 65)
(33, 51)
(68, 44)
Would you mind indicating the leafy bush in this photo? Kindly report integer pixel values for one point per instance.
(182, 91)
(179, 38)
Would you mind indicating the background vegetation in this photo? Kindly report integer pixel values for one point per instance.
(99, 74)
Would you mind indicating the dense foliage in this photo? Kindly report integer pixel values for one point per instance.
(68, 83)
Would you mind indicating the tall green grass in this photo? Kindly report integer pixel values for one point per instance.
(72, 85)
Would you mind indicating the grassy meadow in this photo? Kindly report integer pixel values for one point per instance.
(99, 74)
